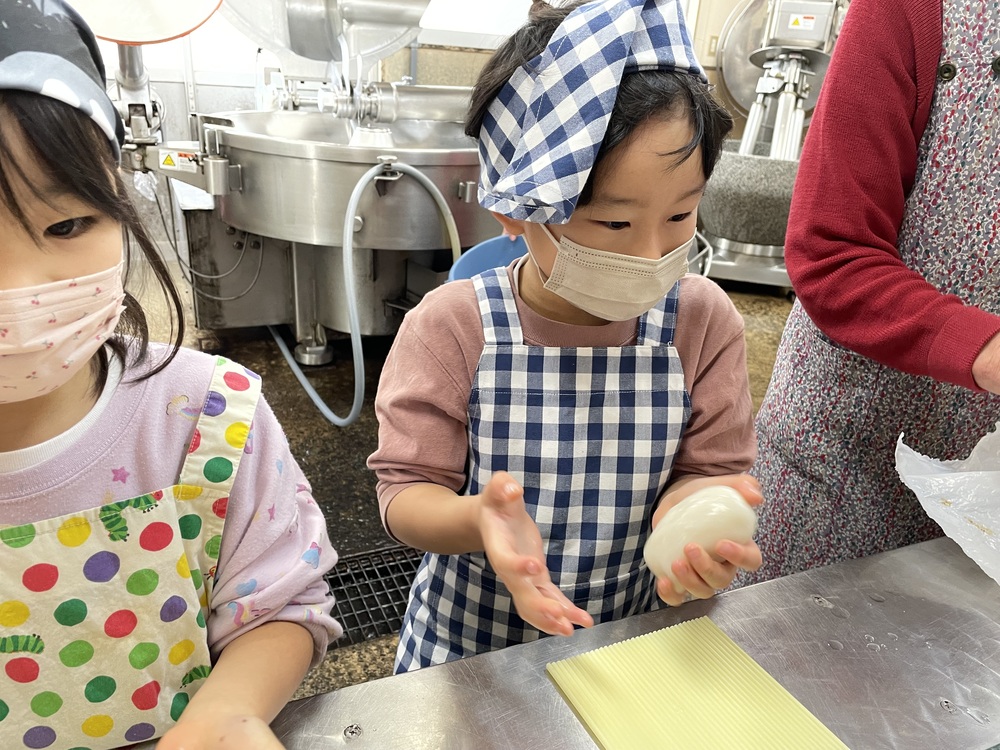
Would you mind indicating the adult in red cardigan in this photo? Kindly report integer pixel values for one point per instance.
(893, 251)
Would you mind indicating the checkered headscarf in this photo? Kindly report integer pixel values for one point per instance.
(541, 134)
(48, 49)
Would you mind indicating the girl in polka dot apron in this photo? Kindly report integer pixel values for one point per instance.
(571, 447)
(157, 538)
(110, 604)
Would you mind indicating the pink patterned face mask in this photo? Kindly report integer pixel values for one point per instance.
(50, 331)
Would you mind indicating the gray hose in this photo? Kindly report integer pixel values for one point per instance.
(351, 289)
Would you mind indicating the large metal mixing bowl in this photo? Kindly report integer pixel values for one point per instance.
(298, 170)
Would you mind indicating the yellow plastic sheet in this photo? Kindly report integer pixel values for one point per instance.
(687, 686)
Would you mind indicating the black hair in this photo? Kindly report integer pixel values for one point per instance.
(642, 95)
(74, 153)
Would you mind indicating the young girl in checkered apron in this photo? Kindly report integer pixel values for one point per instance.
(158, 544)
(537, 421)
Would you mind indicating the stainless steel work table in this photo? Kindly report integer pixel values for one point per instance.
(897, 650)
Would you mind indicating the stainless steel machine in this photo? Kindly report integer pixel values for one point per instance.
(339, 207)
(339, 201)
(772, 56)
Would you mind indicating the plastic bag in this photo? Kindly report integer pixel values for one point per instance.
(963, 497)
(145, 184)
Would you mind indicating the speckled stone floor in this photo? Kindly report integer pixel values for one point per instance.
(334, 458)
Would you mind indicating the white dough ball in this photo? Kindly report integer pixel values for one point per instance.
(705, 518)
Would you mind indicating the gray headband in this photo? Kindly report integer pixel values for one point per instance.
(47, 48)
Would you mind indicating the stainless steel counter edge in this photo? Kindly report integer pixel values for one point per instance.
(898, 650)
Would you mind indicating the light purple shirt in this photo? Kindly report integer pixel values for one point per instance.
(137, 444)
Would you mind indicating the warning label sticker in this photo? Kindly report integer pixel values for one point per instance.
(179, 161)
(802, 23)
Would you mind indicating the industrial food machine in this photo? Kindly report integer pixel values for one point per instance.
(339, 205)
(771, 59)
(341, 199)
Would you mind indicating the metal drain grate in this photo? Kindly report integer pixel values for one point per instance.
(372, 589)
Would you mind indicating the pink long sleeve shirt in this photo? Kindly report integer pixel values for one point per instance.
(423, 394)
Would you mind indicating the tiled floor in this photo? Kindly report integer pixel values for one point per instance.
(334, 458)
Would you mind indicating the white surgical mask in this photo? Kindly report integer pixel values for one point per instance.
(612, 286)
(50, 331)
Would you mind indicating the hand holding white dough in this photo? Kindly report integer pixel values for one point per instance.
(705, 518)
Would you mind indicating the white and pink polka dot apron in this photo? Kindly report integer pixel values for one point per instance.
(102, 613)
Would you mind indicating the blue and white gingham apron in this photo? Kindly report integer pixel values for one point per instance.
(591, 435)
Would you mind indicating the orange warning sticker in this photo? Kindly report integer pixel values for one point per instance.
(802, 23)
(180, 161)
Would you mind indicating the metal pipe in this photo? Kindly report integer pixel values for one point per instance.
(392, 12)
(786, 111)
(131, 75)
(798, 124)
(414, 49)
(388, 102)
(394, 101)
(784, 143)
(752, 129)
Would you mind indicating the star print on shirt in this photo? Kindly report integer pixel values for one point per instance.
(119, 475)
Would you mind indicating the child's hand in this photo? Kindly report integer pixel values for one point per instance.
(224, 733)
(700, 572)
(514, 548)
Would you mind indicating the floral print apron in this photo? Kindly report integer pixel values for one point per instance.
(828, 426)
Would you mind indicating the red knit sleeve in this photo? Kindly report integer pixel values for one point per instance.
(857, 167)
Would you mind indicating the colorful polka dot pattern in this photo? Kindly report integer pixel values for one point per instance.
(95, 645)
(102, 613)
(215, 460)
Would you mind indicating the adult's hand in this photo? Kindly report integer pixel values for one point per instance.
(986, 367)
